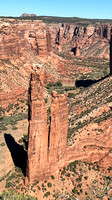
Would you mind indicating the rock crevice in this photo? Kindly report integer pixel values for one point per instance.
(46, 148)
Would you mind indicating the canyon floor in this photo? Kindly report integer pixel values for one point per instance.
(86, 80)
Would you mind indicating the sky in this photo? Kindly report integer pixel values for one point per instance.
(100, 9)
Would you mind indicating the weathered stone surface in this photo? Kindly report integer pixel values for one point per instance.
(23, 35)
(28, 15)
(38, 130)
(46, 150)
(58, 128)
(10, 97)
(111, 55)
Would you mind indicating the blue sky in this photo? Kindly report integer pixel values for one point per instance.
(64, 8)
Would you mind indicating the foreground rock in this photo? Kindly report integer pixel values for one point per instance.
(46, 148)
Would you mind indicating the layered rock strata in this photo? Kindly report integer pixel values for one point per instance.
(18, 36)
(38, 130)
(58, 128)
(46, 148)
(111, 55)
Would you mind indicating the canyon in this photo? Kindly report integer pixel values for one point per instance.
(25, 44)
(47, 147)
(66, 122)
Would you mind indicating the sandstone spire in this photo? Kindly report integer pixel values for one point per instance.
(38, 130)
(58, 127)
(111, 53)
(46, 150)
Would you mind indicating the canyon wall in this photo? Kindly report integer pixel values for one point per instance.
(18, 36)
(111, 55)
(83, 36)
(46, 148)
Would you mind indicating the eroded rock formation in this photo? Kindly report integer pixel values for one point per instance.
(23, 36)
(38, 130)
(111, 55)
(58, 128)
(46, 149)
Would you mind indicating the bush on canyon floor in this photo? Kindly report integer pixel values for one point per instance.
(52, 177)
(57, 84)
(46, 194)
(71, 95)
(49, 184)
(11, 194)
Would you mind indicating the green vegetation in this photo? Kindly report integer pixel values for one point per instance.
(12, 194)
(46, 194)
(70, 20)
(24, 140)
(12, 120)
(52, 177)
(49, 184)
(2, 144)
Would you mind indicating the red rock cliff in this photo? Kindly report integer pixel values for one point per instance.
(58, 127)
(18, 36)
(46, 152)
(38, 130)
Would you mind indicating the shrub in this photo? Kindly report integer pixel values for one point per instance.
(49, 184)
(68, 174)
(42, 184)
(47, 194)
(38, 187)
(2, 144)
(14, 128)
(57, 84)
(86, 177)
(74, 190)
(45, 99)
(52, 177)
(71, 95)
(70, 88)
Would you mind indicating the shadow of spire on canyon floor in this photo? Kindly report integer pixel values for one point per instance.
(87, 83)
(19, 155)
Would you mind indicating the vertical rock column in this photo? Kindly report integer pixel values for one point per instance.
(58, 129)
(38, 131)
(111, 53)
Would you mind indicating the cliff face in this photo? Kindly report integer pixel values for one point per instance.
(58, 127)
(38, 130)
(111, 55)
(18, 36)
(84, 36)
(46, 150)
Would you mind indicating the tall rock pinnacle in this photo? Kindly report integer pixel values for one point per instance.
(46, 149)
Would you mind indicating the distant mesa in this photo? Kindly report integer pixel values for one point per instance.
(28, 15)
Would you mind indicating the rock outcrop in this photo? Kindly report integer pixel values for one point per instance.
(111, 55)
(23, 36)
(58, 128)
(46, 149)
(28, 15)
(38, 130)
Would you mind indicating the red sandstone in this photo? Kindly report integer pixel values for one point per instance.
(46, 150)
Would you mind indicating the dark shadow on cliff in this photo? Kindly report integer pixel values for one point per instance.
(87, 83)
(19, 155)
(74, 50)
(29, 98)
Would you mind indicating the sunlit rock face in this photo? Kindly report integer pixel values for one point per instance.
(18, 36)
(46, 148)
